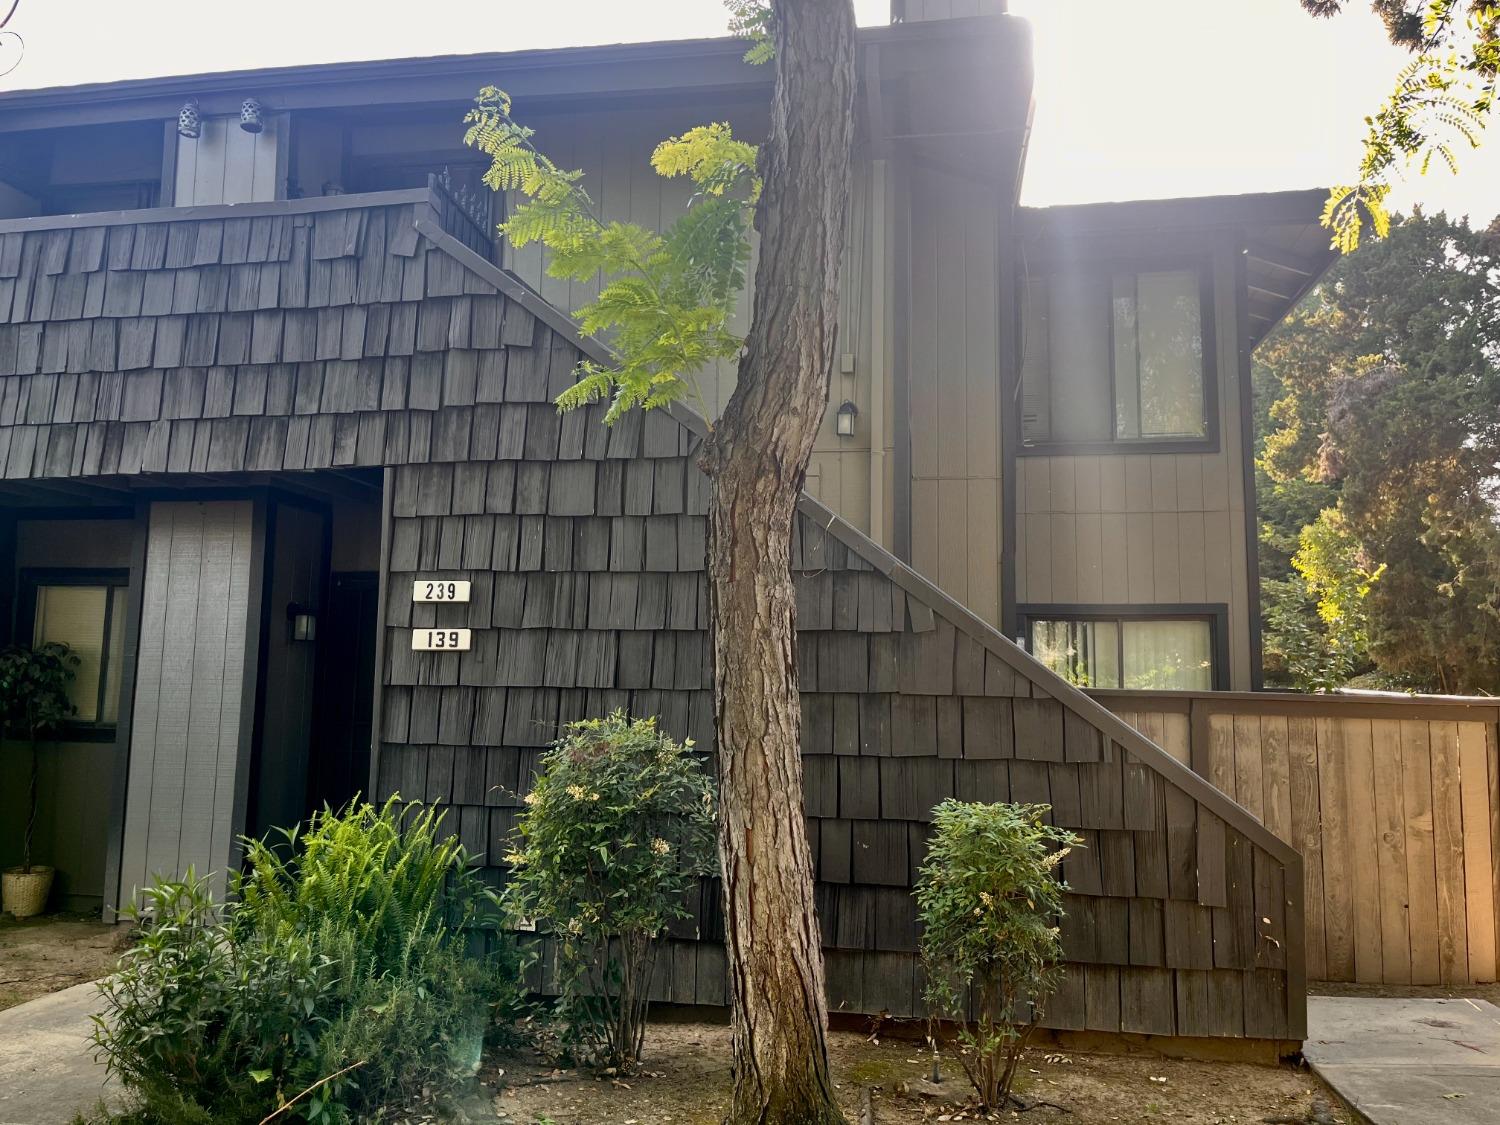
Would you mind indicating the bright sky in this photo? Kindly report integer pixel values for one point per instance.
(1143, 99)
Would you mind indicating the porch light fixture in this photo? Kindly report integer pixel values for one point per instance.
(190, 120)
(252, 120)
(843, 421)
(302, 623)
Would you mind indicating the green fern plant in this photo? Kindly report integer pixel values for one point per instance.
(665, 299)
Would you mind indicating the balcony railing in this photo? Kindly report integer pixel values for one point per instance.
(463, 213)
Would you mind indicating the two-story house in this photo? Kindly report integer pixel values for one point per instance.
(264, 366)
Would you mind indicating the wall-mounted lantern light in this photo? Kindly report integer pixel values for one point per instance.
(189, 120)
(301, 623)
(843, 421)
(252, 119)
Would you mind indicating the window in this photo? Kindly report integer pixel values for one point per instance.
(1117, 357)
(86, 611)
(1145, 653)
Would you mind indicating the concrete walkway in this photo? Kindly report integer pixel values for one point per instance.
(47, 1071)
(1408, 1062)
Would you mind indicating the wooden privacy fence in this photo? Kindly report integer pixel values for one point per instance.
(1394, 804)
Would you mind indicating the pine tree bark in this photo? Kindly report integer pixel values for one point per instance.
(757, 459)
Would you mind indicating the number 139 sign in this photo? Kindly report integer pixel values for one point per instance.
(440, 640)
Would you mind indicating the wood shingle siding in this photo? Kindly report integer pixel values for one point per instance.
(313, 337)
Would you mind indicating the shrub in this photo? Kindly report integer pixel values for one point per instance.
(989, 900)
(618, 829)
(33, 702)
(195, 1023)
(338, 981)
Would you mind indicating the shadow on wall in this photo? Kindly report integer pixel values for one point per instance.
(72, 815)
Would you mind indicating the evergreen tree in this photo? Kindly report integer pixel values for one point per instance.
(1378, 410)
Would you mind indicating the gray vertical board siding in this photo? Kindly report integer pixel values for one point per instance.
(185, 729)
(586, 550)
(146, 705)
(225, 164)
(194, 665)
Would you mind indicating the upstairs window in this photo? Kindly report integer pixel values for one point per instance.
(1116, 358)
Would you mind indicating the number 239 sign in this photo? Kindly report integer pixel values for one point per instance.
(440, 590)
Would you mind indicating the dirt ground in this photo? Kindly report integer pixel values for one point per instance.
(686, 1082)
(50, 953)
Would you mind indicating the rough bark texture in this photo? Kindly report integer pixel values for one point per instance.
(757, 459)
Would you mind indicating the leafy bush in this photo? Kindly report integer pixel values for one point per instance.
(194, 1022)
(618, 828)
(33, 702)
(337, 984)
(989, 900)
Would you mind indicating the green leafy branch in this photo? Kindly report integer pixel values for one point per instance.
(751, 20)
(1441, 98)
(665, 299)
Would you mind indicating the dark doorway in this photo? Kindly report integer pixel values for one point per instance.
(345, 691)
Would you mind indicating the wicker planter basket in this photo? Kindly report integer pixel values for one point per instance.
(24, 893)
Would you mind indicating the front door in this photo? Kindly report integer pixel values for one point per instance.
(345, 695)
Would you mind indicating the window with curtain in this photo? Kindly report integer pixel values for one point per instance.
(1115, 356)
(1149, 654)
(88, 615)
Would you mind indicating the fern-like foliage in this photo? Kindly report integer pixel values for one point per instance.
(751, 20)
(665, 299)
(1441, 101)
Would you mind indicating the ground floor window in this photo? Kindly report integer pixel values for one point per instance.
(1127, 649)
(85, 610)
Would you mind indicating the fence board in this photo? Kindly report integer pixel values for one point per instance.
(1492, 753)
(1221, 752)
(1364, 863)
(1395, 940)
(1474, 795)
(1448, 844)
(1275, 776)
(1338, 930)
(1307, 832)
(1248, 783)
(1421, 855)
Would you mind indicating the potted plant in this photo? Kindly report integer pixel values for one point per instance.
(33, 701)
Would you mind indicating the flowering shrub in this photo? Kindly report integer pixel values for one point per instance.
(990, 899)
(618, 828)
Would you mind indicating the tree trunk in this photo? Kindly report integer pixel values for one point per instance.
(757, 458)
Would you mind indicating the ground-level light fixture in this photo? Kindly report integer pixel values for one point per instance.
(252, 118)
(301, 622)
(190, 120)
(843, 421)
